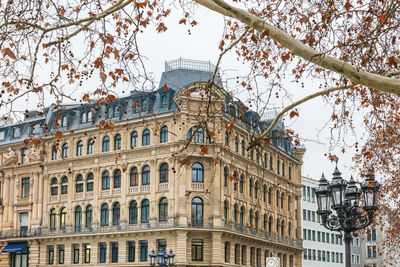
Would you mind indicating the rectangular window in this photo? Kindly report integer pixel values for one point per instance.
(304, 234)
(309, 235)
(50, 253)
(323, 237)
(237, 254)
(314, 254)
(114, 251)
(323, 256)
(327, 237)
(319, 236)
(25, 187)
(318, 218)
(313, 216)
(86, 252)
(304, 214)
(319, 255)
(197, 250)
(131, 251)
(103, 252)
(332, 238)
(75, 253)
(309, 254)
(304, 192)
(143, 250)
(2, 135)
(328, 256)
(341, 257)
(308, 193)
(61, 254)
(252, 255)
(313, 195)
(309, 215)
(313, 235)
(23, 224)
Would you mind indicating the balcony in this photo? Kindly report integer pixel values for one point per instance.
(54, 198)
(163, 186)
(79, 195)
(116, 191)
(145, 188)
(105, 193)
(89, 194)
(197, 186)
(133, 189)
(64, 197)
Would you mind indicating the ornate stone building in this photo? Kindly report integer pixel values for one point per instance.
(108, 196)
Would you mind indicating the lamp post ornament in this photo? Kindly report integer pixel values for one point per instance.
(162, 259)
(345, 197)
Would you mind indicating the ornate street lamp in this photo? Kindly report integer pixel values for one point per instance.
(161, 259)
(348, 217)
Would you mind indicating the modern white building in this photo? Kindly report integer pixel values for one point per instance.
(321, 246)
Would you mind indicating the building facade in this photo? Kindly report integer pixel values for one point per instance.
(104, 184)
(322, 246)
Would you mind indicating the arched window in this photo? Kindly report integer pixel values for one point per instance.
(251, 217)
(146, 175)
(270, 224)
(226, 139)
(283, 228)
(241, 183)
(89, 182)
(90, 116)
(64, 151)
(133, 212)
(236, 144)
(235, 213)
(277, 198)
(117, 142)
(63, 217)
(289, 203)
(256, 218)
(265, 193)
(115, 213)
(270, 195)
(163, 209)
(265, 160)
(164, 173)
(243, 147)
(290, 173)
(235, 181)
(197, 173)
(256, 190)
(104, 215)
(116, 111)
(277, 226)
(225, 176)
(90, 146)
(241, 219)
(146, 137)
(117, 178)
(53, 219)
(282, 200)
(79, 183)
(289, 229)
(134, 141)
(197, 212)
(54, 152)
(64, 185)
(105, 180)
(106, 144)
(78, 219)
(164, 134)
(278, 169)
(198, 135)
(79, 148)
(270, 163)
(283, 169)
(54, 187)
(226, 210)
(251, 187)
(145, 211)
(88, 216)
(164, 101)
(133, 177)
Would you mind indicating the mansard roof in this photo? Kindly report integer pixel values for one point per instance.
(178, 74)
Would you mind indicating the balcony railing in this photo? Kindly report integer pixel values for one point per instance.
(163, 186)
(133, 189)
(172, 222)
(145, 188)
(197, 186)
(116, 191)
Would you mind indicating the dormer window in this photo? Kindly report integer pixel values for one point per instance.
(36, 128)
(63, 121)
(116, 111)
(2, 135)
(164, 101)
(16, 132)
(84, 117)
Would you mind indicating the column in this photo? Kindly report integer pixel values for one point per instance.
(181, 248)
(6, 191)
(217, 248)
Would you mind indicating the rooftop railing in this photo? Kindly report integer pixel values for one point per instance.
(189, 64)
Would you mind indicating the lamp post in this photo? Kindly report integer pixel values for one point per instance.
(162, 259)
(344, 198)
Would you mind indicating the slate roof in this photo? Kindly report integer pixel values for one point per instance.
(178, 73)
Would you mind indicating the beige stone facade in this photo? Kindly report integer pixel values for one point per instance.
(223, 208)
